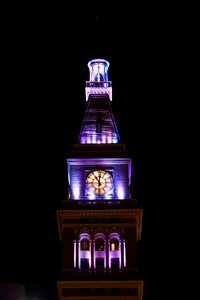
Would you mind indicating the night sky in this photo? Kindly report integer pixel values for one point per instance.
(45, 56)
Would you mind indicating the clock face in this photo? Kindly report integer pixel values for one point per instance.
(99, 182)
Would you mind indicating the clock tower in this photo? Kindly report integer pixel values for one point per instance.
(100, 223)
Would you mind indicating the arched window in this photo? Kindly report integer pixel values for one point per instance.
(114, 245)
(84, 245)
(99, 245)
(82, 254)
(115, 251)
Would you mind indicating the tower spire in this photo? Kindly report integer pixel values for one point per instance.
(99, 125)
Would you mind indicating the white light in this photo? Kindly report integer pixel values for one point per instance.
(120, 193)
(76, 190)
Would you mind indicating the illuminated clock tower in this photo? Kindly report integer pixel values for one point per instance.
(99, 224)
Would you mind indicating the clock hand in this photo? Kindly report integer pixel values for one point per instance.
(98, 179)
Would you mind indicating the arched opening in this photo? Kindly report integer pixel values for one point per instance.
(84, 251)
(99, 251)
(115, 256)
(99, 245)
(114, 245)
(85, 245)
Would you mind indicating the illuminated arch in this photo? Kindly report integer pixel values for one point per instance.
(84, 251)
(115, 253)
(99, 253)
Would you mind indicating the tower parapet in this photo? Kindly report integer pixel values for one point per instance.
(98, 83)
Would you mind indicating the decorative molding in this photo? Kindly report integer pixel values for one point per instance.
(135, 214)
(98, 229)
(99, 213)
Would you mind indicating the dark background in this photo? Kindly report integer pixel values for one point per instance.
(45, 51)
